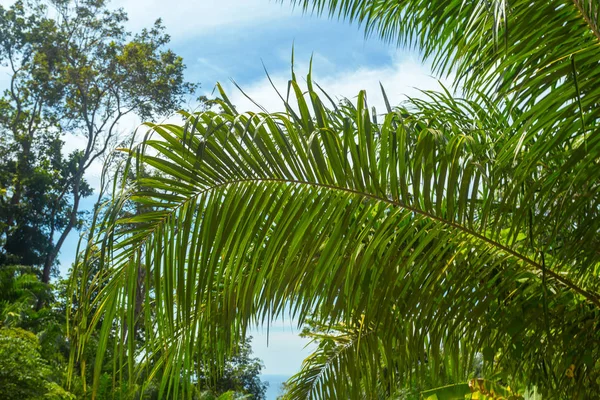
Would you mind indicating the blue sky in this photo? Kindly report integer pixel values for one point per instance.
(231, 39)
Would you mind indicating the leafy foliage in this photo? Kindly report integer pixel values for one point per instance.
(450, 228)
(20, 289)
(341, 347)
(74, 70)
(335, 213)
(23, 372)
(240, 375)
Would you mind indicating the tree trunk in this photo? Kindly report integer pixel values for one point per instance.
(53, 253)
(22, 162)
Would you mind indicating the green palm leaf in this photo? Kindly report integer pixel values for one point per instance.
(324, 211)
(540, 56)
(470, 226)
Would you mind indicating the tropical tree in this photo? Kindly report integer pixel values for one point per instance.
(74, 70)
(444, 231)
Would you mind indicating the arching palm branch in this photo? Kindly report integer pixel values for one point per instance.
(413, 223)
(449, 227)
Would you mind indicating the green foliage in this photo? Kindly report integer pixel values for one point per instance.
(341, 347)
(443, 234)
(42, 328)
(325, 219)
(74, 70)
(34, 351)
(240, 376)
(23, 372)
(20, 289)
(409, 226)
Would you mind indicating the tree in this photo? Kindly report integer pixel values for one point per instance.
(77, 73)
(448, 229)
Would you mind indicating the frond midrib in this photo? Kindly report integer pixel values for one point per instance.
(539, 268)
(338, 352)
(587, 20)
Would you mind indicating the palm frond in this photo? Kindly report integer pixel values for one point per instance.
(337, 355)
(542, 56)
(429, 212)
(356, 361)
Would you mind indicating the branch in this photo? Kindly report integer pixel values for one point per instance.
(14, 96)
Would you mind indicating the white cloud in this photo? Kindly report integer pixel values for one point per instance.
(187, 18)
(403, 77)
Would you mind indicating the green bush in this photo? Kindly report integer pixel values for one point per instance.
(23, 373)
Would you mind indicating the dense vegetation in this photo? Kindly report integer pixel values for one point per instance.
(451, 241)
(442, 248)
(75, 72)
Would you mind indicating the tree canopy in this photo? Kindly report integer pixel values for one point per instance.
(75, 71)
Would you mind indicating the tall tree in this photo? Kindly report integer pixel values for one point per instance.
(77, 73)
(449, 229)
